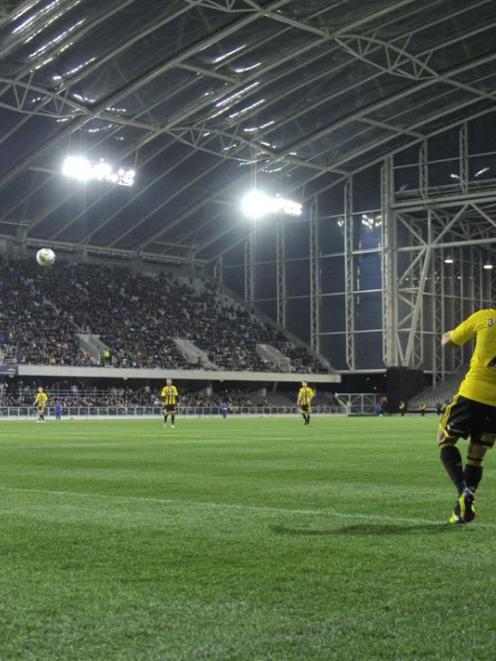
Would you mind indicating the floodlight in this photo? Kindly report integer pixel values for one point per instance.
(289, 207)
(449, 260)
(77, 167)
(256, 204)
(488, 266)
(102, 170)
(80, 168)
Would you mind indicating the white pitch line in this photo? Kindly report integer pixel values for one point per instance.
(252, 508)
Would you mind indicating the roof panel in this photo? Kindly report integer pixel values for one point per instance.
(204, 98)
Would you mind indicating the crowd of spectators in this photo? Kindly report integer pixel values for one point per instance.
(136, 315)
(78, 394)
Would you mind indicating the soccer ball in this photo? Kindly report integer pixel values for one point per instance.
(45, 257)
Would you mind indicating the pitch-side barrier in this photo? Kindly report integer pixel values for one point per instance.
(140, 412)
(346, 404)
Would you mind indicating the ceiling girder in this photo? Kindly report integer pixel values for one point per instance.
(134, 148)
(352, 155)
(394, 55)
(128, 89)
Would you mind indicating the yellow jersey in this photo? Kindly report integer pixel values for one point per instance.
(479, 383)
(41, 400)
(169, 395)
(305, 396)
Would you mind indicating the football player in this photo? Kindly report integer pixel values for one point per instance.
(472, 413)
(305, 396)
(170, 398)
(40, 402)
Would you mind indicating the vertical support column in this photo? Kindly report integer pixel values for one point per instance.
(250, 249)
(423, 170)
(281, 274)
(389, 269)
(437, 320)
(488, 277)
(486, 302)
(458, 302)
(349, 274)
(442, 306)
(490, 287)
(314, 278)
(463, 156)
(219, 270)
(472, 273)
(412, 352)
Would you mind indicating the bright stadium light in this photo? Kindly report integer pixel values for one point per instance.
(257, 204)
(80, 168)
(488, 266)
(77, 167)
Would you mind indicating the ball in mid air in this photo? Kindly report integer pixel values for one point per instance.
(45, 257)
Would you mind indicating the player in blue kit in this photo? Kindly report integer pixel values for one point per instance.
(58, 410)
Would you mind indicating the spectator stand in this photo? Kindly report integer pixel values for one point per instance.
(137, 316)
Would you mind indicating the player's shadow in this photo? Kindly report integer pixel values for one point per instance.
(367, 529)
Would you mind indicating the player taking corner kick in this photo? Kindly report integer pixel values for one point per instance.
(472, 413)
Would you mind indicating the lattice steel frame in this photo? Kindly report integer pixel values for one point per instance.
(433, 276)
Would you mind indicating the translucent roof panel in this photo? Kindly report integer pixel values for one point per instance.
(204, 98)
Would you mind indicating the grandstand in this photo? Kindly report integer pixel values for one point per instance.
(241, 195)
(142, 320)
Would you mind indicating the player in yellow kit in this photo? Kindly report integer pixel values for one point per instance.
(170, 398)
(472, 413)
(305, 396)
(40, 402)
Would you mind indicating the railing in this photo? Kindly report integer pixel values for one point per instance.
(346, 404)
(154, 411)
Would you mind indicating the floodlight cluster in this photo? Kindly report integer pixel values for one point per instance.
(256, 204)
(80, 168)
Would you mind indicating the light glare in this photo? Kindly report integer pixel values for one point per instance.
(80, 168)
(257, 204)
(254, 204)
(77, 167)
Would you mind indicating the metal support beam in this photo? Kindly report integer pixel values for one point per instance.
(389, 272)
(314, 277)
(219, 270)
(423, 169)
(463, 156)
(349, 274)
(281, 273)
(249, 270)
(414, 347)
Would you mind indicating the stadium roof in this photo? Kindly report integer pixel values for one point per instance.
(203, 97)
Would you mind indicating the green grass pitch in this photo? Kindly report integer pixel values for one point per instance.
(240, 539)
